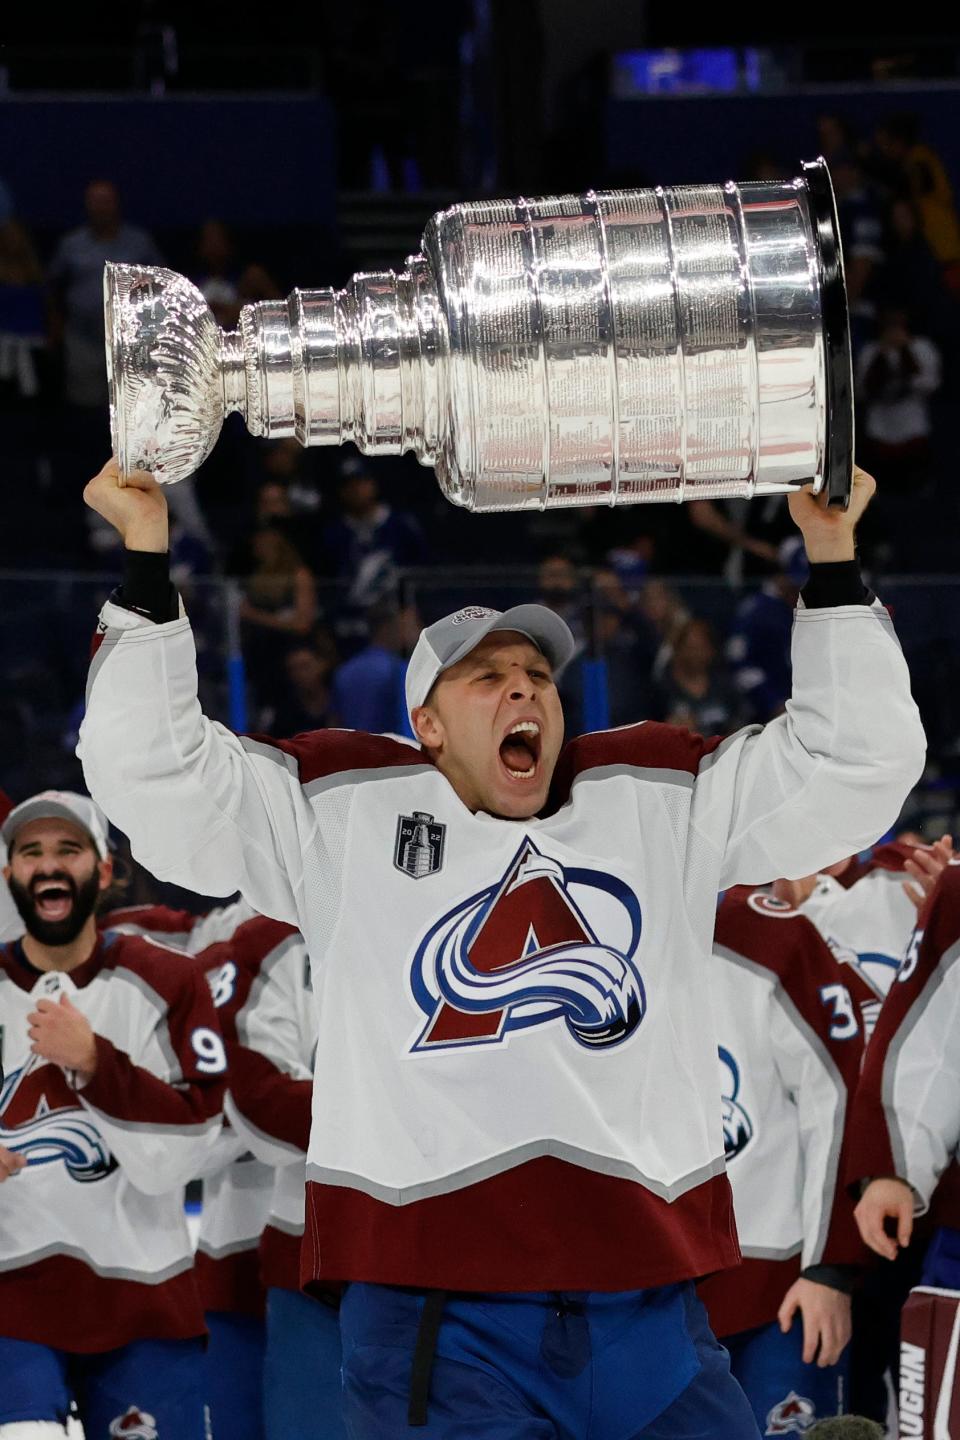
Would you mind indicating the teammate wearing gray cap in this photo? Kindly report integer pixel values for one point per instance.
(516, 1162)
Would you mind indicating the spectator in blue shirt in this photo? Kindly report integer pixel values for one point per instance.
(368, 689)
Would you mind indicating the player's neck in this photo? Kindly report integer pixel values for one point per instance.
(62, 957)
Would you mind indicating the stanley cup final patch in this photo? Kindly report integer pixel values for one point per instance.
(419, 847)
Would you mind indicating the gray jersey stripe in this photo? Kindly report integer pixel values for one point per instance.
(107, 1272)
(233, 1247)
(358, 777)
(509, 1160)
(286, 1227)
(270, 752)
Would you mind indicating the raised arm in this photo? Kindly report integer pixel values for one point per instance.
(201, 806)
(830, 776)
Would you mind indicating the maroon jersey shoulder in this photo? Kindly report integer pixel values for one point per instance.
(166, 970)
(243, 954)
(6, 805)
(258, 937)
(319, 753)
(648, 745)
(795, 951)
(160, 919)
(770, 932)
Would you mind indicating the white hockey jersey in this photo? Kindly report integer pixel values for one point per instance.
(97, 1214)
(791, 1043)
(271, 1080)
(907, 1110)
(516, 1081)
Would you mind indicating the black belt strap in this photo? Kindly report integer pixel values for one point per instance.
(423, 1355)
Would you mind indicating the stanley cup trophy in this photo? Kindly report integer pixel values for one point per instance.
(616, 347)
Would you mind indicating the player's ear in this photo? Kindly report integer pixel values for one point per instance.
(427, 726)
(105, 871)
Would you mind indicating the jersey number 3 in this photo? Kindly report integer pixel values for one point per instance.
(843, 1025)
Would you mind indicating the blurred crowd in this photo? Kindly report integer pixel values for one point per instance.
(335, 560)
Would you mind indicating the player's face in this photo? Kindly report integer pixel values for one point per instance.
(494, 725)
(55, 878)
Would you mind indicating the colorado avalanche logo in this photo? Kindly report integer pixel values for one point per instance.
(134, 1425)
(793, 1416)
(40, 1118)
(737, 1125)
(523, 953)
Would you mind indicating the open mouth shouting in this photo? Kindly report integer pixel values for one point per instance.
(520, 750)
(53, 899)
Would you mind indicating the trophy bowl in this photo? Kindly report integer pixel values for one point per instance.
(164, 371)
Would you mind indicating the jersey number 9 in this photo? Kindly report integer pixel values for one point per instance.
(208, 1048)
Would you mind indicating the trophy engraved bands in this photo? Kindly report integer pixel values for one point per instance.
(615, 347)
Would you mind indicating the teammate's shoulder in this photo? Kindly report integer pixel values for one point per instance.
(756, 907)
(319, 754)
(153, 919)
(750, 925)
(166, 969)
(259, 937)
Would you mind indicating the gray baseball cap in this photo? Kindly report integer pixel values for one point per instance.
(80, 810)
(448, 640)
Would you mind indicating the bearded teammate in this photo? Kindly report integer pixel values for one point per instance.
(516, 1074)
(111, 1102)
(791, 1043)
(271, 1085)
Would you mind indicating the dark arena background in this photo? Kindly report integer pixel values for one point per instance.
(258, 148)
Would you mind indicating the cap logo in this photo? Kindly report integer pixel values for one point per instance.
(471, 612)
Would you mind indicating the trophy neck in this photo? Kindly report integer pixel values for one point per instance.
(364, 364)
(233, 372)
